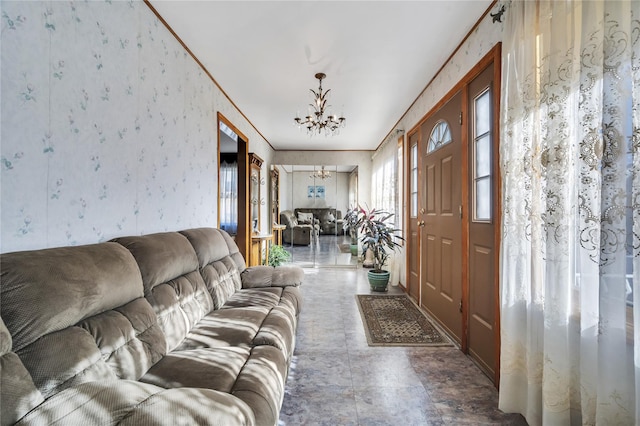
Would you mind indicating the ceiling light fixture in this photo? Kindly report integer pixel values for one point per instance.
(316, 121)
(320, 174)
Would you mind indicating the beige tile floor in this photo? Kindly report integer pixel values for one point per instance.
(337, 379)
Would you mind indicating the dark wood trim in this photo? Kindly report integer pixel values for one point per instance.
(324, 150)
(444, 64)
(497, 204)
(243, 237)
(182, 43)
(407, 215)
(401, 183)
(274, 204)
(464, 222)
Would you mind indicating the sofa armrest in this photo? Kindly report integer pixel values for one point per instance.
(268, 276)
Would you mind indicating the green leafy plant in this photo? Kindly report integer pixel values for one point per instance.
(350, 223)
(378, 236)
(278, 255)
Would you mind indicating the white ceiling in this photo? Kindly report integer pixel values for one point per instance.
(378, 57)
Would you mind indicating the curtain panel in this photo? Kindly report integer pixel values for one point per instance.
(229, 197)
(570, 253)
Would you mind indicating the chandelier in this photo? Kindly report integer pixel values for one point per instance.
(320, 174)
(316, 121)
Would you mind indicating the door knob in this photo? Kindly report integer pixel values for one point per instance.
(421, 223)
(422, 210)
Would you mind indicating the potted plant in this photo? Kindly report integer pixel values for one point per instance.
(379, 238)
(351, 221)
(278, 255)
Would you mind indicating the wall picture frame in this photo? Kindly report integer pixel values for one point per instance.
(316, 191)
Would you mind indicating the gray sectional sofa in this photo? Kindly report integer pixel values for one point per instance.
(167, 328)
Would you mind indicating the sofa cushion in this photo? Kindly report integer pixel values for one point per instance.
(278, 330)
(284, 276)
(213, 244)
(129, 403)
(211, 368)
(267, 297)
(129, 338)
(226, 327)
(292, 296)
(305, 218)
(220, 262)
(234, 251)
(19, 394)
(44, 291)
(268, 276)
(222, 279)
(64, 359)
(261, 383)
(173, 284)
(256, 376)
(161, 257)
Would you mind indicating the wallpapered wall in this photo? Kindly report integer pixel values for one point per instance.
(108, 126)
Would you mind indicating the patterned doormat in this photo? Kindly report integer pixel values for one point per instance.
(397, 321)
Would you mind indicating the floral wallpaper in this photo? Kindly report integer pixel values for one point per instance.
(108, 126)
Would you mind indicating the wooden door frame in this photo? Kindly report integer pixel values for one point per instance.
(243, 237)
(493, 56)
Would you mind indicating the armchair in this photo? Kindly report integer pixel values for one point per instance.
(295, 233)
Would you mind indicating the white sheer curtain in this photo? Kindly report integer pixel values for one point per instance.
(570, 256)
(229, 197)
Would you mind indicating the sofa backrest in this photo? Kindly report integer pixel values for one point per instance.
(320, 213)
(219, 260)
(76, 314)
(172, 282)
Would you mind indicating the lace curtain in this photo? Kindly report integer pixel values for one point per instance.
(229, 197)
(570, 255)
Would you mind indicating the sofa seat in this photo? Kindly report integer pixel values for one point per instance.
(167, 328)
(255, 375)
(132, 403)
(223, 328)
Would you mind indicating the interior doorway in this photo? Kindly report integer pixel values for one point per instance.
(233, 193)
(313, 200)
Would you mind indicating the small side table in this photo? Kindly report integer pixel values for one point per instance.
(277, 229)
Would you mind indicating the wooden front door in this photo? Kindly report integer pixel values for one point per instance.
(441, 240)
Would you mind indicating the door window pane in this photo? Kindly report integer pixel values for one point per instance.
(483, 113)
(414, 180)
(483, 199)
(440, 136)
(482, 155)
